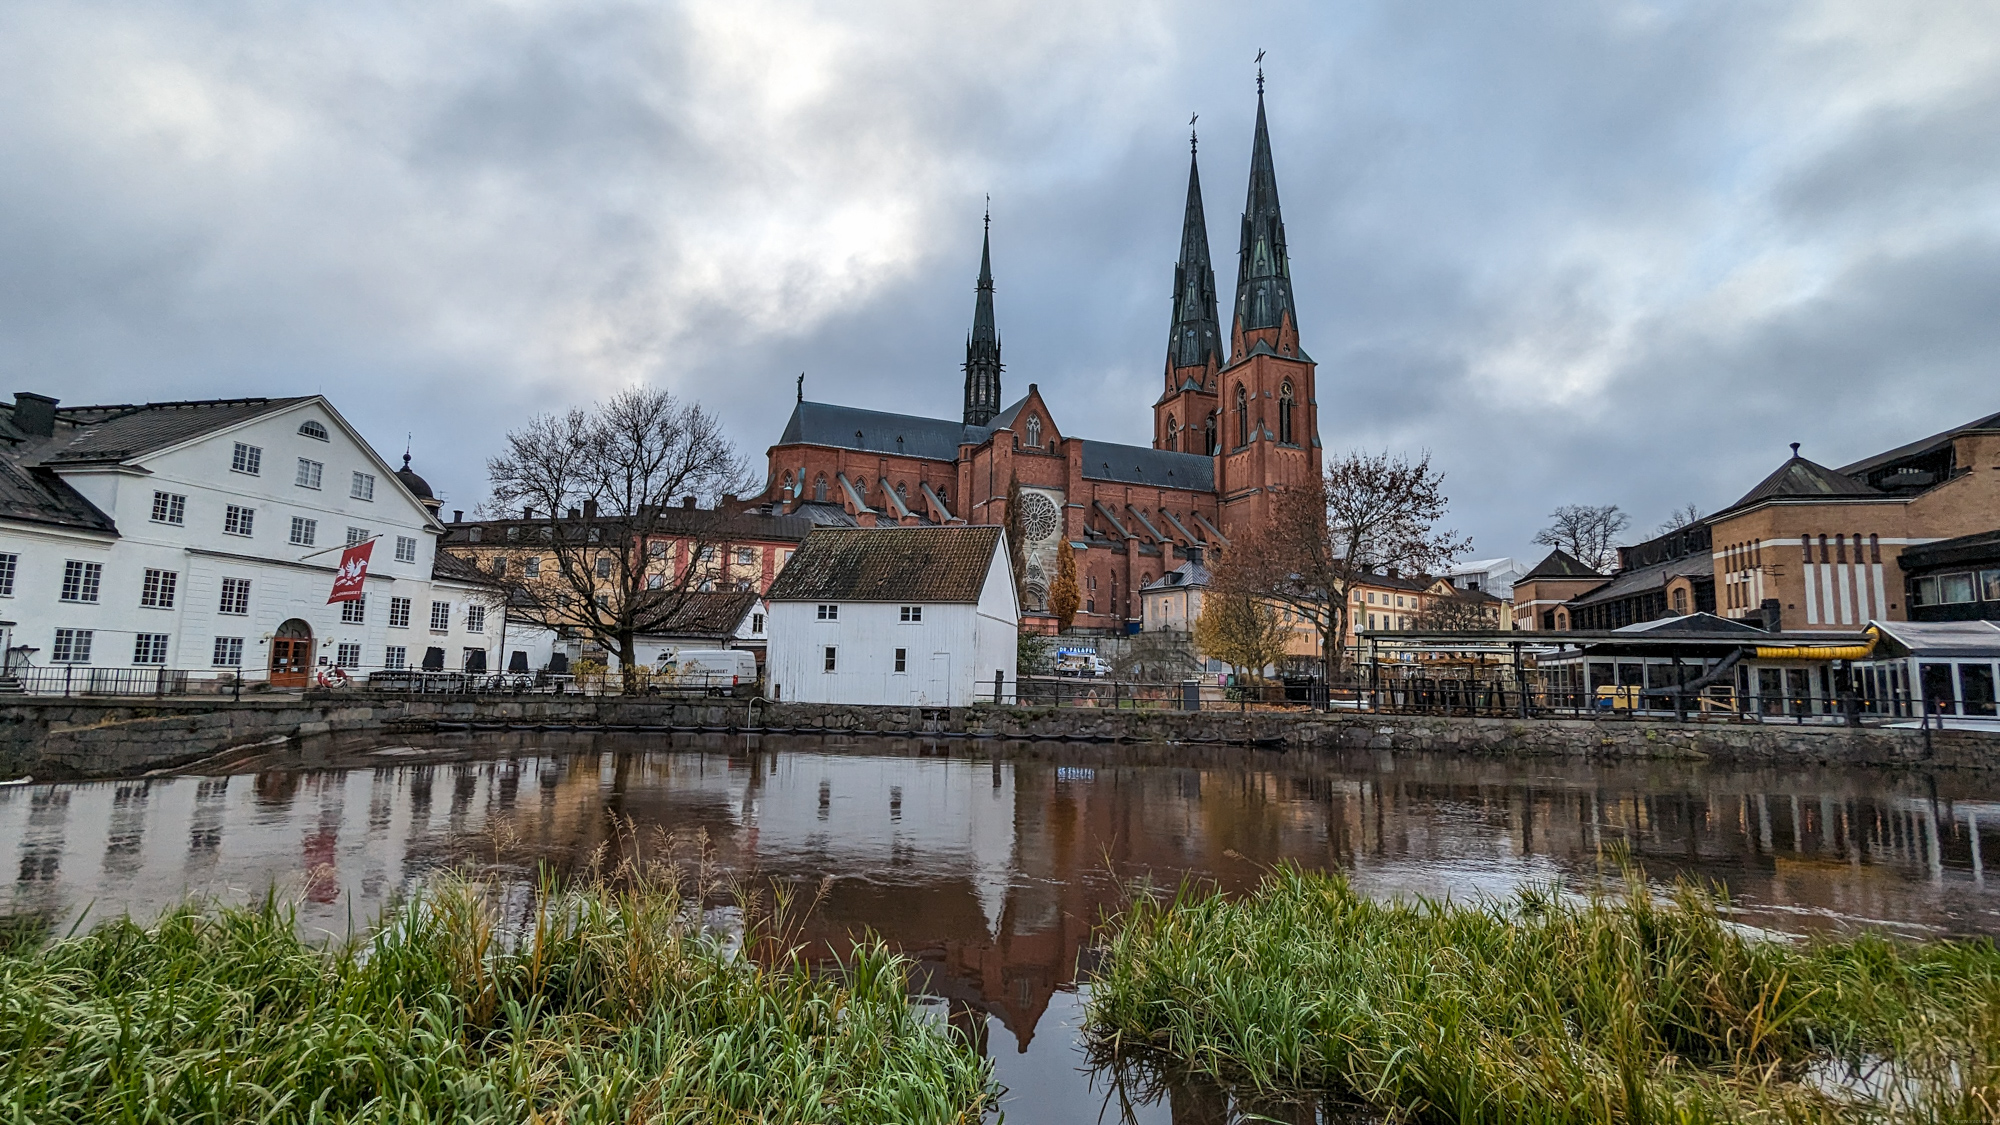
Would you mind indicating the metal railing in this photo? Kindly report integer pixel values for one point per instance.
(159, 682)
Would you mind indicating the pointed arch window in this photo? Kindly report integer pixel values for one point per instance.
(1209, 435)
(1285, 414)
(1034, 431)
(1173, 433)
(1242, 417)
(819, 489)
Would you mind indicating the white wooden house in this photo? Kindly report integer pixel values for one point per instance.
(895, 616)
(203, 536)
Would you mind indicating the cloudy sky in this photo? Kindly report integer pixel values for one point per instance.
(1581, 252)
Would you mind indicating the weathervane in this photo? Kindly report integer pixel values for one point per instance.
(1260, 70)
(989, 211)
(1193, 143)
(802, 386)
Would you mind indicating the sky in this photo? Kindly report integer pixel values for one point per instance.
(1607, 253)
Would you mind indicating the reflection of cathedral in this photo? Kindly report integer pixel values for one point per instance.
(1224, 432)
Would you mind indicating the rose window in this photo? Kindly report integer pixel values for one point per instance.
(1038, 517)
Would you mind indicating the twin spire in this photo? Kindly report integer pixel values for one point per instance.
(1264, 306)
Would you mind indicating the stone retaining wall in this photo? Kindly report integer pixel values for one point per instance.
(55, 738)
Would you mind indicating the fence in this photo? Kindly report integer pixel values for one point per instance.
(86, 679)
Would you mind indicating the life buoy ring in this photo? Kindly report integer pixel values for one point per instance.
(334, 677)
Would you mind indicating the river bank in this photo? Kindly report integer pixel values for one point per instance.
(75, 738)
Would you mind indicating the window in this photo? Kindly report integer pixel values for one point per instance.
(228, 652)
(913, 613)
(440, 617)
(819, 489)
(72, 646)
(1173, 433)
(1952, 589)
(1034, 430)
(149, 648)
(304, 531)
(604, 566)
(829, 613)
(499, 566)
(356, 535)
(705, 555)
(354, 612)
(246, 459)
(475, 534)
(1208, 433)
(406, 548)
(1285, 413)
(830, 657)
(399, 613)
(169, 507)
(1989, 580)
(756, 623)
(656, 581)
(237, 520)
(158, 590)
(8, 564)
(81, 580)
(472, 660)
(475, 619)
(312, 430)
(1242, 417)
(235, 596)
(656, 550)
(395, 658)
(531, 568)
(746, 556)
(902, 659)
(363, 487)
(309, 472)
(347, 655)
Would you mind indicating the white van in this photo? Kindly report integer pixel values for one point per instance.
(718, 671)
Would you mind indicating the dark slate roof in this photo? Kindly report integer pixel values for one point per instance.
(1916, 448)
(1980, 548)
(889, 564)
(1641, 579)
(36, 495)
(1802, 479)
(820, 423)
(825, 515)
(1559, 564)
(1137, 464)
(1187, 574)
(119, 433)
(703, 523)
(444, 564)
(704, 613)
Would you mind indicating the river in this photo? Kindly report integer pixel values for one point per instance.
(991, 864)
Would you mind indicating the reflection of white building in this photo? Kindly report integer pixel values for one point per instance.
(204, 536)
(894, 615)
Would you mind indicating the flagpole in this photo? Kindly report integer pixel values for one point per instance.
(343, 547)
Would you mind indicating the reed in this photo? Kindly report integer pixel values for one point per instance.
(1547, 1008)
(605, 1005)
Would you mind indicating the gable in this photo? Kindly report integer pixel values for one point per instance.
(887, 564)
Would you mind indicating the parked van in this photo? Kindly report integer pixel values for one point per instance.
(1081, 664)
(718, 671)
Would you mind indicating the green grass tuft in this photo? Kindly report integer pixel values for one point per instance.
(1544, 1009)
(609, 1005)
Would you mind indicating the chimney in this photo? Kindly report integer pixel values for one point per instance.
(1192, 553)
(1391, 572)
(527, 513)
(1774, 615)
(590, 509)
(34, 415)
(576, 513)
(458, 515)
(687, 502)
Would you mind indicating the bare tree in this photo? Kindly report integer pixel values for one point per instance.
(1368, 514)
(1587, 532)
(1687, 515)
(625, 563)
(1459, 613)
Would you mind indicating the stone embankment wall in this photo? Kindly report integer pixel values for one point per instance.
(56, 738)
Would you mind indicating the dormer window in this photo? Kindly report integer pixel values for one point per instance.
(1034, 431)
(313, 430)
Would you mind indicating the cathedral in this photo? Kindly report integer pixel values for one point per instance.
(1227, 429)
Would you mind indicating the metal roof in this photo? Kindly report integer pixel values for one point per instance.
(888, 564)
(1138, 464)
(878, 431)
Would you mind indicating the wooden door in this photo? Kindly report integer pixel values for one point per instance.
(291, 659)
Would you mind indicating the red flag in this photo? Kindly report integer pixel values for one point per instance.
(353, 571)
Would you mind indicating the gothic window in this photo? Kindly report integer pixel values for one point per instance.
(819, 489)
(1285, 414)
(1173, 434)
(787, 490)
(1242, 417)
(1209, 435)
(1039, 518)
(903, 491)
(1034, 431)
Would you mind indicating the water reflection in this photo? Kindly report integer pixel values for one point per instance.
(992, 868)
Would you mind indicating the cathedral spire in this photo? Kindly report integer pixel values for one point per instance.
(1196, 335)
(1263, 272)
(982, 348)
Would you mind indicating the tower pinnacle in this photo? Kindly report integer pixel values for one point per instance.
(1263, 271)
(982, 347)
(1195, 337)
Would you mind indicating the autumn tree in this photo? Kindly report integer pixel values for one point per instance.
(1368, 514)
(1242, 631)
(599, 483)
(1017, 541)
(1588, 532)
(1064, 596)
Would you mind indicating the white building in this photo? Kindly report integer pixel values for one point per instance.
(1492, 576)
(894, 615)
(203, 536)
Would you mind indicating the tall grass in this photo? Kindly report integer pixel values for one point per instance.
(608, 1005)
(1545, 1009)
